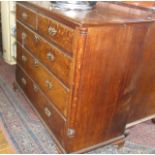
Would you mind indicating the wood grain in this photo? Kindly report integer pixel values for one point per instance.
(104, 93)
(63, 37)
(108, 50)
(57, 93)
(32, 90)
(142, 4)
(108, 13)
(61, 63)
(143, 101)
(5, 147)
(29, 41)
(27, 16)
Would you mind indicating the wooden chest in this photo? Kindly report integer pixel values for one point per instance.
(77, 67)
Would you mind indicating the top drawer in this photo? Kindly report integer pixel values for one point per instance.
(26, 16)
(56, 32)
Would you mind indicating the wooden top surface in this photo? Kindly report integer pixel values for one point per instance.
(142, 4)
(107, 13)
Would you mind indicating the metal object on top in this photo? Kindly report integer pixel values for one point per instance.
(74, 5)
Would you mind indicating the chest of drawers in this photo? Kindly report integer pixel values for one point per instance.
(77, 69)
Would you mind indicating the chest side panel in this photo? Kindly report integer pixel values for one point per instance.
(111, 57)
(143, 102)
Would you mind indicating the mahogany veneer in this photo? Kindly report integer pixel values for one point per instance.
(143, 101)
(80, 70)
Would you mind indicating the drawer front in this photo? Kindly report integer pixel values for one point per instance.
(27, 39)
(26, 16)
(53, 89)
(56, 32)
(55, 60)
(49, 115)
(19, 54)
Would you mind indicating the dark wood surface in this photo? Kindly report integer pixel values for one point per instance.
(60, 62)
(32, 90)
(153, 120)
(99, 77)
(142, 4)
(57, 93)
(103, 93)
(1, 48)
(27, 16)
(109, 13)
(143, 101)
(63, 36)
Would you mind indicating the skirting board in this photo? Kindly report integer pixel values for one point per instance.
(140, 121)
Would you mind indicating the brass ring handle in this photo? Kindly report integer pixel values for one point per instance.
(24, 35)
(70, 132)
(49, 84)
(23, 38)
(36, 38)
(24, 58)
(52, 31)
(36, 62)
(24, 81)
(47, 112)
(35, 87)
(50, 56)
(24, 16)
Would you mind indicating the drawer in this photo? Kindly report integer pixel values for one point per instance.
(54, 59)
(26, 16)
(56, 32)
(28, 39)
(45, 109)
(53, 89)
(19, 54)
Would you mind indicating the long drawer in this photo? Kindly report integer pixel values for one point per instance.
(27, 16)
(54, 59)
(48, 113)
(27, 39)
(53, 89)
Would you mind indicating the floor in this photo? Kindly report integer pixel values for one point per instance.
(26, 134)
(5, 146)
